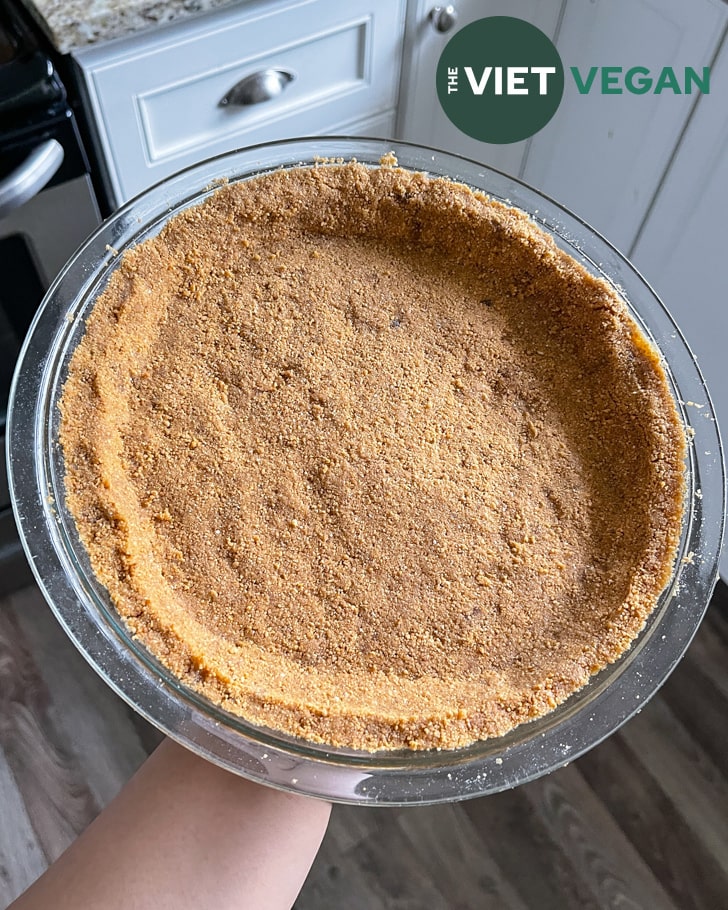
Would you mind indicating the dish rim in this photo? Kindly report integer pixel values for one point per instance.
(399, 777)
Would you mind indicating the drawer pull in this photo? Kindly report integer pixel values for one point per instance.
(257, 87)
(443, 18)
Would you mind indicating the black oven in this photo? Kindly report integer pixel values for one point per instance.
(47, 208)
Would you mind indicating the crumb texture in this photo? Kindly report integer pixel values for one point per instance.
(362, 456)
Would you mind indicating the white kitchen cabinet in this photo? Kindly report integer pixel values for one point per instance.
(603, 155)
(681, 248)
(155, 98)
(420, 117)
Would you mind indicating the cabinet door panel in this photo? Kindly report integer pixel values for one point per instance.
(603, 155)
(421, 118)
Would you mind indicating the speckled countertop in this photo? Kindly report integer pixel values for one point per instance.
(74, 24)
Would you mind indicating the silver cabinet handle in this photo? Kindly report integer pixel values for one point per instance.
(31, 176)
(443, 17)
(258, 87)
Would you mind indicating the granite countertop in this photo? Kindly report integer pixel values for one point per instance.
(74, 24)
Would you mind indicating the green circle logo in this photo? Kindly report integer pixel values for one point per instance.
(500, 79)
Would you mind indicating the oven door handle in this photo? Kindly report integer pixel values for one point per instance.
(31, 176)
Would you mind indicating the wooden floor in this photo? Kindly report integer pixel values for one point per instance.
(640, 822)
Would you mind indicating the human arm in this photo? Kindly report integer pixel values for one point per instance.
(183, 833)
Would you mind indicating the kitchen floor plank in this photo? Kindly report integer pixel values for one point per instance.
(21, 858)
(96, 726)
(337, 881)
(521, 844)
(650, 820)
(684, 772)
(708, 652)
(337, 878)
(601, 855)
(387, 870)
(54, 793)
(397, 876)
(707, 726)
(450, 849)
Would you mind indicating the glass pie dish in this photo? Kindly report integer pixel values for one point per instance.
(84, 608)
